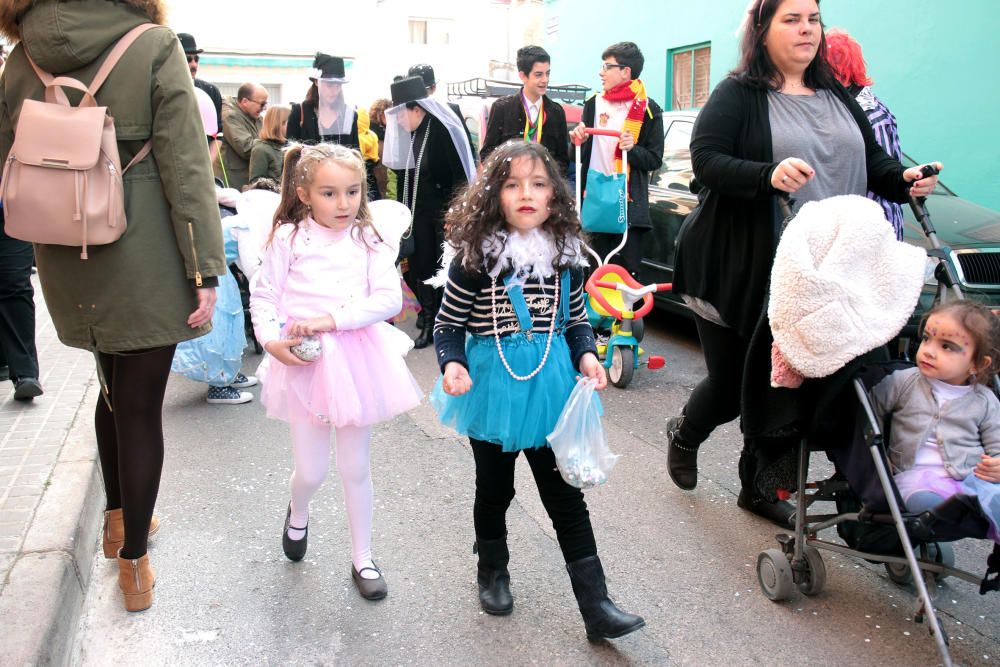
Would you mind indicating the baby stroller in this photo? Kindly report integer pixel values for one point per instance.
(869, 517)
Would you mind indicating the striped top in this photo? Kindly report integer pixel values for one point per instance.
(886, 135)
(467, 308)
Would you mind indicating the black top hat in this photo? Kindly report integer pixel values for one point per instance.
(425, 72)
(410, 89)
(330, 67)
(188, 43)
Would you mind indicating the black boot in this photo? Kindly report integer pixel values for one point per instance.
(493, 576)
(601, 617)
(682, 456)
(429, 306)
(778, 512)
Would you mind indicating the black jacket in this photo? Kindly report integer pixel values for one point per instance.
(644, 158)
(441, 176)
(506, 122)
(726, 246)
(303, 127)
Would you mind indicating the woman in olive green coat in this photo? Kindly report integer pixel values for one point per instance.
(133, 300)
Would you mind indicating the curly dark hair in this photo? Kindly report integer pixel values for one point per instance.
(475, 213)
(983, 326)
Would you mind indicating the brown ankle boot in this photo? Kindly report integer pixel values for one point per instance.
(136, 578)
(114, 532)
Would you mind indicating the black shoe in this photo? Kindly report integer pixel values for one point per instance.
(295, 550)
(780, 512)
(426, 336)
(370, 589)
(493, 576)
(602, 619)
(26, 389)
(682, 457)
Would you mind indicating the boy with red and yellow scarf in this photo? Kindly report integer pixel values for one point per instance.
(625, 106)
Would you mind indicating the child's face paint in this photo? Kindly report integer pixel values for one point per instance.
(525, 195)
(334, 195)
(946, 350)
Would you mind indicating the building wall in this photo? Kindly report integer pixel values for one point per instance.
(934, 65)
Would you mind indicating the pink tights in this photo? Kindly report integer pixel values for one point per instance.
(311, 454)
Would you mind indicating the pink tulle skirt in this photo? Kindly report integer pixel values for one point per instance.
(360, 378)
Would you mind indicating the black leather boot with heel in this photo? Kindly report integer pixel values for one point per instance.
(601, 617)
(682, 455)
(493, 576)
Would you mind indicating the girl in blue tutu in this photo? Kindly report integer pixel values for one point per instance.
(515, 284)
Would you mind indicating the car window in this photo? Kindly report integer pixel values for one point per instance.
(675, 172)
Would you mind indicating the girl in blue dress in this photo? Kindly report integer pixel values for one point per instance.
(515, 284)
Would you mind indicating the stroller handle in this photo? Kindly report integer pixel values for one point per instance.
(602, 133)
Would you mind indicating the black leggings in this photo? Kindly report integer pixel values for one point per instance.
(130, 437)
(563, 503)
(716, 399)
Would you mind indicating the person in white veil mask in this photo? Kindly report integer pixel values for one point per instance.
(326, 115)
(427, 144)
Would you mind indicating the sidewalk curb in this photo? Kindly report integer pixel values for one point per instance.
(42, 603)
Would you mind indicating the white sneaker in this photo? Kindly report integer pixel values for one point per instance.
(243, 381)
(228, 395)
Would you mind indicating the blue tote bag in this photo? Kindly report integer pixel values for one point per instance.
(604, 206)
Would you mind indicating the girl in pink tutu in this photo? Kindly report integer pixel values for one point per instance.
(331, 280)
(945, 419)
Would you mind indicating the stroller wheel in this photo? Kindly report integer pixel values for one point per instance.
(774, 573)
(815, 575)
(899, 573)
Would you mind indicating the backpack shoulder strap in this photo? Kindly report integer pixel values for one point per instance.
(116, 54)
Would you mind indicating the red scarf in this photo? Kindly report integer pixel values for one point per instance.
(633, 91)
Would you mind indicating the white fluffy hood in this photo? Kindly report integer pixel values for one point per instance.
(841, 284)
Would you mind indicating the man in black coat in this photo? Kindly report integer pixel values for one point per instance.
(529, 114)
(426, 72)
(614, 110)
(191, 51)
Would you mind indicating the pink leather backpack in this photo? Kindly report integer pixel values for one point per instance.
(62, 183)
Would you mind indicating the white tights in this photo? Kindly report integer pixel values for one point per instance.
(311, 454)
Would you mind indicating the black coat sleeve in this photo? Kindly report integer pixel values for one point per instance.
(714, 147)
(560, 151)
(647, 154)
(589, 109)
(293, 128)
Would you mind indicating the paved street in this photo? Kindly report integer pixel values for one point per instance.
(685, 561)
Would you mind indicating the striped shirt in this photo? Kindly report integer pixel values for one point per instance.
(467, 307)
(886, 135)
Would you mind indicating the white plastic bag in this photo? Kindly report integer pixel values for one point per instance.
(578, 440)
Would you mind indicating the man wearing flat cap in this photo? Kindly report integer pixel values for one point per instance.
(192, 53)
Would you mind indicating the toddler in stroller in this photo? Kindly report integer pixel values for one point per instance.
(881, 516)
(945, 419)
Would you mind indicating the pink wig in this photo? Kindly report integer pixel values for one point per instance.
(844, 55)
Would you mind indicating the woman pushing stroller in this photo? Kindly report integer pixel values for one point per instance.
(780, 123)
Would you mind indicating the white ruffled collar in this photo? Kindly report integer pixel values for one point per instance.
(529, 255)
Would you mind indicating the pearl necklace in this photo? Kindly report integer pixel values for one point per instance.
(496, 332)
(416, 179)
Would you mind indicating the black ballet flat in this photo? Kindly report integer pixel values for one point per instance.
(295, 550)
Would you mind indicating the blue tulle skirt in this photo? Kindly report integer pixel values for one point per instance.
(216, 357)
(511, 413)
